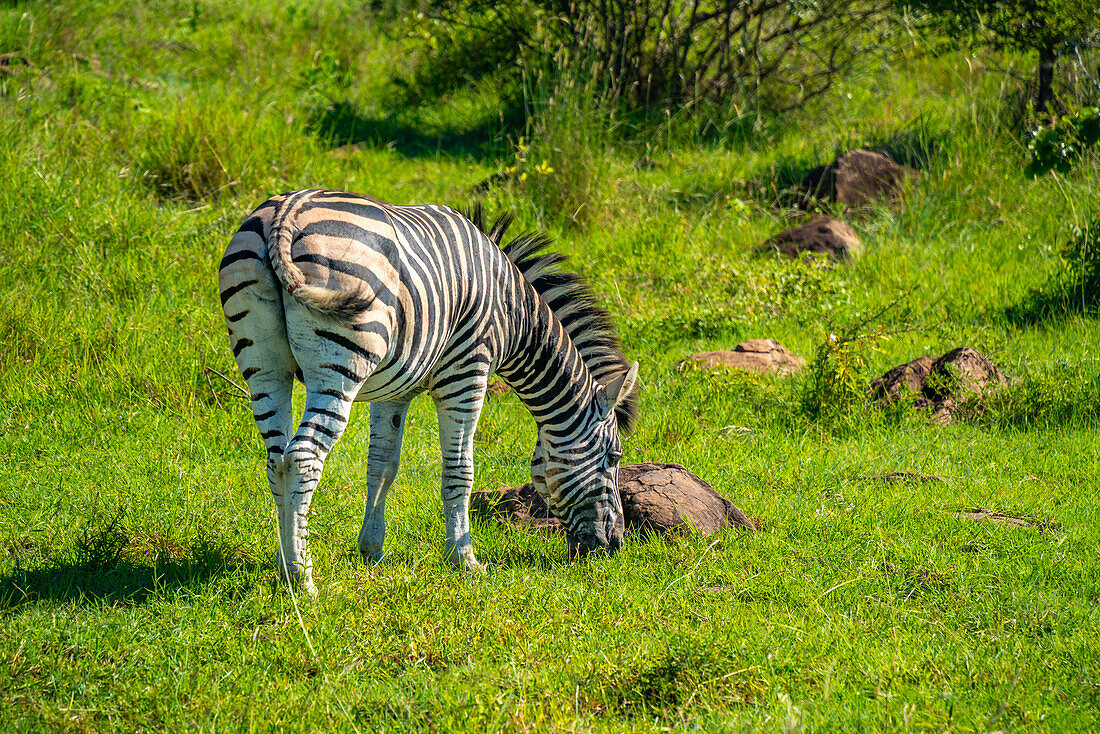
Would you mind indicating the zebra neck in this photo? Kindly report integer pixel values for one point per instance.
(548, 373)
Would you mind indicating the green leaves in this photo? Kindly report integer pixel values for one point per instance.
(1059, 146)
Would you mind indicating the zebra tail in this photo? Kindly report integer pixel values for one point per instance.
(340, 306)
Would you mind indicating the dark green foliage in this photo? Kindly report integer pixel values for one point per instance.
(1060, 145)
(1082, 256)
(465, 42)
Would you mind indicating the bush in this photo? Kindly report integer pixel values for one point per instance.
(646, 53)
(836, 391)
(1082, 259)
(1060, 145)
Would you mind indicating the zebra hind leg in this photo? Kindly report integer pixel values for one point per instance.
(257, 334)
(336, 359)
(324, 418)
(387, 426)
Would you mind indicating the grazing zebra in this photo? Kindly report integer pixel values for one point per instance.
(366, 301)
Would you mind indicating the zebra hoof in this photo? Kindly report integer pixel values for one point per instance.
(464, 559)
(298, 579)
(371, 557)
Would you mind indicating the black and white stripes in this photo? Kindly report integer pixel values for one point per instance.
(368, 301)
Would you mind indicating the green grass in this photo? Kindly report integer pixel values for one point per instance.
(136, 531)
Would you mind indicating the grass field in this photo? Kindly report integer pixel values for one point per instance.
(136, 529)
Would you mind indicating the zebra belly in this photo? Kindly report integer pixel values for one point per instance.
(398, 376)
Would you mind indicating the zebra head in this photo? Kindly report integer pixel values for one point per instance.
(578, 476)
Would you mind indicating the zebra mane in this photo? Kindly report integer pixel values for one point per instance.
(573, 303)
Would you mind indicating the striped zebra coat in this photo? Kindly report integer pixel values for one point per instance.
(366, 301)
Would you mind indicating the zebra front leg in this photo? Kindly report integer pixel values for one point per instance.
(457, 423)
(387, 426)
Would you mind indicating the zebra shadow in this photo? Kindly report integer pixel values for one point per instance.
(103, 565)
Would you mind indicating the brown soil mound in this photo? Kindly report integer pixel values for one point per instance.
(941, 386)
(766, 356)
(857, 179)
(662, 498)
(822, 235)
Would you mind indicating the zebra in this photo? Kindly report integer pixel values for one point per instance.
(362, 300)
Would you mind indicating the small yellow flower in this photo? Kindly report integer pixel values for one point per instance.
(544, 168)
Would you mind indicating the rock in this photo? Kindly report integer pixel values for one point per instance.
(857, 179)
(962, 372)
(821, 236)
(766, 356)
(667, 497)
(902, 381)
(657, 498)
(864, 177)
(941, 386)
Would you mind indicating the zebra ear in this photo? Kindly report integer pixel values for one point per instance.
(619, 389)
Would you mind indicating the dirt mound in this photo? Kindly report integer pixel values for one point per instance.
(857, 179)
(766, 356)
(498, 387)
(941, 386)
(662, 498)
(864, 177)
(820, 236)
(904, 380)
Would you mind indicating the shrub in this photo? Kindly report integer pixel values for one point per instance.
(1082, 259)
(836, 389)
(646, 53)
(1060, 145)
